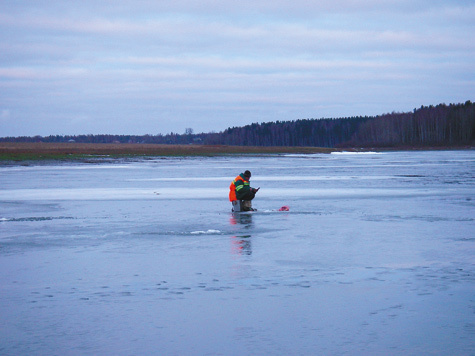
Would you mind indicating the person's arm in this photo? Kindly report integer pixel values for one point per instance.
(242, 189)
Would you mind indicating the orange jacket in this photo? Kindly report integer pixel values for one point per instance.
(232, 188)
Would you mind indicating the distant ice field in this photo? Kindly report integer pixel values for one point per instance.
(190, 193)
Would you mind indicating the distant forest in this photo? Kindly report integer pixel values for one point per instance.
(441, 125)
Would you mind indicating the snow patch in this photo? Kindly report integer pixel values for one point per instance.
(357, 153)
(209, 232)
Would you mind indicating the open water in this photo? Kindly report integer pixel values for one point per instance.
(144, 257)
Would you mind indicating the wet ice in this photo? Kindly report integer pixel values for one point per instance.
(375, 256)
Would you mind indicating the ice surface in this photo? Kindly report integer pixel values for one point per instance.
(357, 153)
(375, 256)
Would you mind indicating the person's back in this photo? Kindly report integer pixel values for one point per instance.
(240, 189)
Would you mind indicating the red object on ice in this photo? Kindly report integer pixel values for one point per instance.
(284, 208)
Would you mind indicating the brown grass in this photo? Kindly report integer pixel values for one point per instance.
(41, 150)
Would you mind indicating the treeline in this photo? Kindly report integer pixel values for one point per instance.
(310, 132)
(441, 125)
(172, 138)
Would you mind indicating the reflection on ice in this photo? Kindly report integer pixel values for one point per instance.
(242, 218)
(242, 245)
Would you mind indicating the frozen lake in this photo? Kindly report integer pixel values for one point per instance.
(375, 257)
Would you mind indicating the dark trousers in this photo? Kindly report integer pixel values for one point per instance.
(248, 196)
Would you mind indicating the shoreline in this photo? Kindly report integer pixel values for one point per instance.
(19, 151)
(39, 151)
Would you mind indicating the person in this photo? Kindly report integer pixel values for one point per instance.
(240, 189)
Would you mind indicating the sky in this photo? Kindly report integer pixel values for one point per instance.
(159, 66)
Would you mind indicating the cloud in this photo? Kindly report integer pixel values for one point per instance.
(75, 65)
(4, 114)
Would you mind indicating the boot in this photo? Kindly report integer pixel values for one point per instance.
(247, 205)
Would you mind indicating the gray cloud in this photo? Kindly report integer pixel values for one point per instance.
(147, 67)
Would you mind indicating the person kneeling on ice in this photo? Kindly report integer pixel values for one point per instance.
(241, 193)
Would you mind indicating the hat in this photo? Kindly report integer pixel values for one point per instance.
(247, 174)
